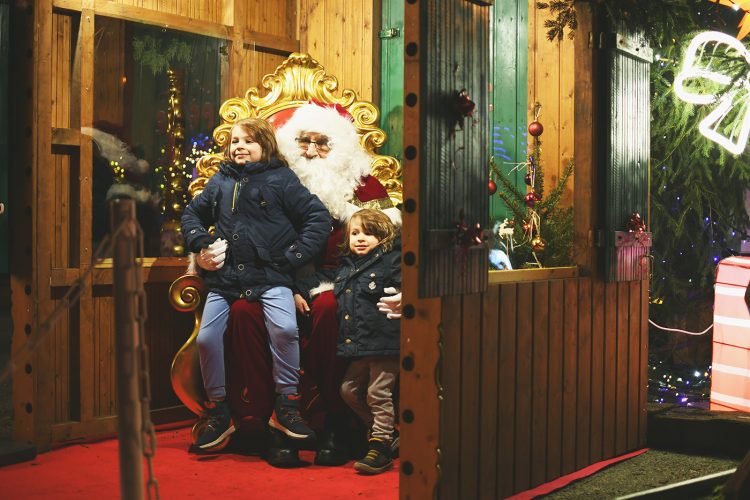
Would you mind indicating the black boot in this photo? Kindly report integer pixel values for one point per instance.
(333, 449)
(281, 450)
(377, 460)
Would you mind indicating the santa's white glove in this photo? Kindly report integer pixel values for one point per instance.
(212, 258)
(390, 305)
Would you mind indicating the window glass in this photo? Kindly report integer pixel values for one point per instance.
(156, 99)
(530, 213)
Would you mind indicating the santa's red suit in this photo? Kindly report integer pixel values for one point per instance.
(250, 386)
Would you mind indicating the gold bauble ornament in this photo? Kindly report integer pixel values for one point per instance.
(538, 244)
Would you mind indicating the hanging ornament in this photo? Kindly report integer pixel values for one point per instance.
(538, 244)
(526, 227)
(463, 107)
(635, 223)
(535, 127)
(530, 199)
(492, 187)
(527, 179)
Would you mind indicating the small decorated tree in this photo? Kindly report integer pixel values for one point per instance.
(542, 228)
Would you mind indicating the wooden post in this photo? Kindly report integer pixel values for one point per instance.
(126, 337)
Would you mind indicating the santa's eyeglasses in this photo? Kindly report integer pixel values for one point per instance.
(323, 144)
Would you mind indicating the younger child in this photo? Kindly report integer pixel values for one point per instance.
(271, 225)
(371, 263)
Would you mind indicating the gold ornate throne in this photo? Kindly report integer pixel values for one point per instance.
(296, 81)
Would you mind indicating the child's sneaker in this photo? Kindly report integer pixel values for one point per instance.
(377, 460)
(287, 419)
(219, 427)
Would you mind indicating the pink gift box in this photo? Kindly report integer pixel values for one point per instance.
(730, 367)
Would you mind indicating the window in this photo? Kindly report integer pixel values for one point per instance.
(155, 106)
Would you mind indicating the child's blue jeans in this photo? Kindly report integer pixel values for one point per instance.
(281, 322)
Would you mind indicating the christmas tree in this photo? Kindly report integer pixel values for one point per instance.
(542, 228)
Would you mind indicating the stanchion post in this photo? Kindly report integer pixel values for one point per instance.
(124, 249)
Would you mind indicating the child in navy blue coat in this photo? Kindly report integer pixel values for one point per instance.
(271, 225)
(370, 263)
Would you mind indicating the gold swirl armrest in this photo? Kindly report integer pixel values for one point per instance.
(187, 294)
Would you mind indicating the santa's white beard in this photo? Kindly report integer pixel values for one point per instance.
(330, 179)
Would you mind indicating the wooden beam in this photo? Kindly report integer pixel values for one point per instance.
(420, 334)
(42, 209)
(66, 137)
(546, 273)
(584, 192)
(84, 186)
(151, 17)
(161, 272)
(181, 23)
(268, 41)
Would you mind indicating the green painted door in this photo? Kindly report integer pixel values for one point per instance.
(392, 76)
(4, 26)
(509, 93)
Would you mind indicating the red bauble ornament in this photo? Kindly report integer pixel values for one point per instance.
(492, 187)
(530, 199)
(527, 179)
(535, 128)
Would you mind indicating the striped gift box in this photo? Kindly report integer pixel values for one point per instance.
(730, 372)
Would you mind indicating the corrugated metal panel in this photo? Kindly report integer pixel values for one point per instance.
(627, 149)
(454, 163)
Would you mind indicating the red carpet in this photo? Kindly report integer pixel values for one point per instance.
(561, 482)
(91, 471)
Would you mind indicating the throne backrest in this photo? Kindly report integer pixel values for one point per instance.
(295, 82)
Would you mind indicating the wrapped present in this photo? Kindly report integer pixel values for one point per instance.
(730, 372)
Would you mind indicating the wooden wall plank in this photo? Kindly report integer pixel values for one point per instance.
(423, 337)
(621, 394)
(540, 370)
(570, 370)
(84, 186)
(451, 376)
(552, 84)
(643, 369)
(583, 392)
(597, 371)
(555, 380)
(585, 146)
(489, 400)
(610, 370)
(471, 387)
(524, 347)
(506, 463)
(634, 364)
(340, 34)
(42, 213)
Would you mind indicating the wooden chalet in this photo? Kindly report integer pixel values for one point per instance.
(509, 378)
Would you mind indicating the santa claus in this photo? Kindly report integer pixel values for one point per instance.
(322, 147)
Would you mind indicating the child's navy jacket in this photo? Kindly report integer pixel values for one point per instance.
(358, 286)
(271, 221)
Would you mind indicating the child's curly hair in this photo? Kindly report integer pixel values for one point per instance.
(376, 223)
(263, 133)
